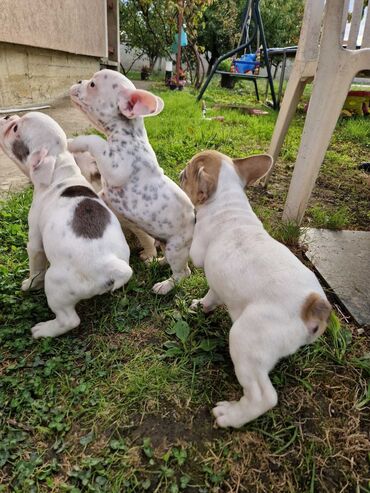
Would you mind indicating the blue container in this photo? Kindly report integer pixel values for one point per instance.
(245, 63)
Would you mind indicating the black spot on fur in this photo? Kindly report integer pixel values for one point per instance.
(20, 150)
(78, 191)
(109, 283)
(90, 219)
(114, 86)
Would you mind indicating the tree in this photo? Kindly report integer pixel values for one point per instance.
(148, 26)
(221, 30)
(193, 11)
(282, 21)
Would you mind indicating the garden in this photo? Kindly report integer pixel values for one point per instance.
(123, 403)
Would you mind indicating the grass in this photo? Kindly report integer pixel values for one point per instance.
(122, 404)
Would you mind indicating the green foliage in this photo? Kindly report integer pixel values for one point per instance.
(225, 65)
(332, 219)
(282, 21)
(222, 17)
(148, 26)
(123, 403)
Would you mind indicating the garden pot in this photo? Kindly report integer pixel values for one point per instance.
(144, 75)
(227, 81)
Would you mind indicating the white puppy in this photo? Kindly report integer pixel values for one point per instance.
(133, 182)
(69, 226)
(276, 304)
(89, 169)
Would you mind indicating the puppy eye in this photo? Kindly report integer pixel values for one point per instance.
(15, 128)
(92, 84)
(79, 82)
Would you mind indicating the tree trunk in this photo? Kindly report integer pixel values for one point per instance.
(199, 67)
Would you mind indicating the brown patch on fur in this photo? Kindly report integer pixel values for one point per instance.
(253, 168)
(20, 150)
(95, 176)
(78, 191)
(315, 313)
(90, 219)
(200, 177)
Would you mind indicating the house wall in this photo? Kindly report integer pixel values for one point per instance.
(46, 45)
(73, 26)
(35, 75)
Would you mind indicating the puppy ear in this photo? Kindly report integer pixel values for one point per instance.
(136, 102)
(206, 185)
(41, 167)
(253, 168)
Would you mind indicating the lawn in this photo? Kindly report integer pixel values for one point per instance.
(122, 404)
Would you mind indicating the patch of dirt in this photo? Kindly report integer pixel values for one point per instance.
(170, 428)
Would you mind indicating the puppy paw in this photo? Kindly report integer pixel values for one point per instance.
(162, 261)
(75, 145)
(148, 255)
(229, 413)
(32, 283)
(195, 304)
(163, 287)
(43, 329)
(70, 145)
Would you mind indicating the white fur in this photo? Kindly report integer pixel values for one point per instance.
(80, 267)
(133, 182)
(89, 169)
(263, 286)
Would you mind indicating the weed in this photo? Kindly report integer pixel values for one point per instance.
(123, 402)
(323, 218)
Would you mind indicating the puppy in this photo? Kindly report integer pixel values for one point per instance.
(276, 304)
(133, 182)
(89, 170)
(69, 226)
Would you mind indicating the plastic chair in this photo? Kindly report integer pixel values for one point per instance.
(333, 63)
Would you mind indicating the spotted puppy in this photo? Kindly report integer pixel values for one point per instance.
(133, 182)
(69, 226)
(276, 304)
(89, 170)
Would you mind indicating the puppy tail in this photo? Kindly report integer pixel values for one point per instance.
(315, 313)
(118, 273)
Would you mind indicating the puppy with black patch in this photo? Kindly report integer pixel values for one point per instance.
(133, 182)
(276, 303)
(76, 246)
(89, 169)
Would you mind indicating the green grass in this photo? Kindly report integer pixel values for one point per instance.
(122, 404)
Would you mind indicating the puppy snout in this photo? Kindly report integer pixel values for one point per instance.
(75, 89)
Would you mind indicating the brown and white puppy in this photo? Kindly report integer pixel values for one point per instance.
(75, 242)
(276, 304)
(89, 169)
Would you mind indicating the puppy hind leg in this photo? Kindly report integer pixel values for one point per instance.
(259, 393)
(62, 302)
(38, 265)
(177, 254)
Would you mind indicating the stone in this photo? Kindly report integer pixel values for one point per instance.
(342, 258)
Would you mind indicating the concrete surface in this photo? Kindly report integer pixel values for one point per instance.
(343, 259)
